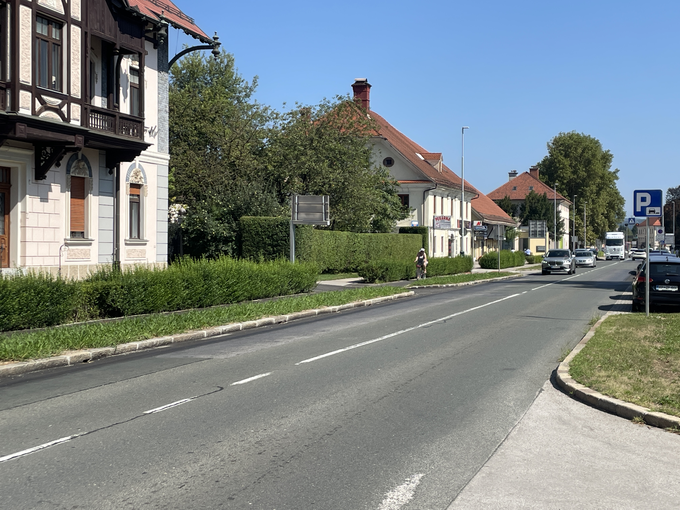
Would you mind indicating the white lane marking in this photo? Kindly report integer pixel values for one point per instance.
(396, 333)
(36, 448)
(250, 379)
(168, 406)
(401, 495)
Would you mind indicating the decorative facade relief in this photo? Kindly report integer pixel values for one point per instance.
(75, 10)
(136, 175)
(78, 253)
(75, 113)
(25, 101)
(47, 114)
(54, 5)
(75, 61)
(78, 166)
(25, 45)
(135, 254)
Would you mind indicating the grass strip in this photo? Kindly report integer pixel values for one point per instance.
(634, 358)
(54, 341)
(460, 278)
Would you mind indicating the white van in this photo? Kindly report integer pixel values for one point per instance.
(613, 245)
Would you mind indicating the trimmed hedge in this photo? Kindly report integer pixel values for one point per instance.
(265, 238)
(390, 271)
(268, 238)
(184, 285)
(534, 259)
(508, 259)
(423, 231)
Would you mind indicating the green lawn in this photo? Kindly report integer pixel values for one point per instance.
(634, 358)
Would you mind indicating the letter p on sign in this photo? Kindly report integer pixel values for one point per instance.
(648, 202)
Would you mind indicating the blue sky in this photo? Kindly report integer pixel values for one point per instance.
(517, 73)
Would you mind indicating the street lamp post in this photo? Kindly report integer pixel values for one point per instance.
(462, 188)
(585, 238)
(555, 215)
(573, 228)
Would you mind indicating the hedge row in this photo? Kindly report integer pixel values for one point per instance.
(508, 259)
(534, 259)
(264, 238)
(38, 300)
(389, 271)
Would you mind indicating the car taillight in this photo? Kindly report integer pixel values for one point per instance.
(641, 279)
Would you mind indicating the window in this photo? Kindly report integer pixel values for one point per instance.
(388, 162)
(404, 200)
(77, 207)
(135, 211)
(134, 91)
(48, 53)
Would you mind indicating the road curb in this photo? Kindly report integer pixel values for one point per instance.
(464, 284)
(603, 402)
(88, 355)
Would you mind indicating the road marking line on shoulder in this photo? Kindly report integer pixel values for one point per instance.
(260, 376)
(36, 448)
(401, 495)
(397, 333)
(168, 406)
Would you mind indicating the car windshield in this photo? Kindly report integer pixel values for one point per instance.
(614, 242)
(584, 253)
(558, 253)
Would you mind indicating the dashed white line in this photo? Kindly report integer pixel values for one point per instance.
(401, 495)
(396, 333)
(36, 448)
(260, 376)
(168, 406)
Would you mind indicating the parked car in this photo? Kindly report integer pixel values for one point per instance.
(584, 258)
(558, 260)
(664, 283)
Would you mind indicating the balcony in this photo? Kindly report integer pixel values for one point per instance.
(113, 122)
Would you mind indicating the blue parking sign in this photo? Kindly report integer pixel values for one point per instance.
(647, 202)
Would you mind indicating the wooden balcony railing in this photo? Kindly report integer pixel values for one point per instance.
(116, 123)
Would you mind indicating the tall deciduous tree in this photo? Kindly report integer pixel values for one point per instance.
(539, 207)
(581, 167)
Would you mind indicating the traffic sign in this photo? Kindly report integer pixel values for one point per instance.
(631, 221)
(647, 202)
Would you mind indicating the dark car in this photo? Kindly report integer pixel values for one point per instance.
(558, 260)
(664, 283)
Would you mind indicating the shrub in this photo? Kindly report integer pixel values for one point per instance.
(38, 301)
(34, 300)
(508, 259)
(534, 259)
(423, 231)
(389, 271)
(268, 238)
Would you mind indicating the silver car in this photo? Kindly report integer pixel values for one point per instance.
(558, 260)
(585, 258)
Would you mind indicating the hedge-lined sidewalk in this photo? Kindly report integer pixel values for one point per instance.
(84, 355)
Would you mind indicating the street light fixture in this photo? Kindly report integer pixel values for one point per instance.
(585, 239)
(462, 187)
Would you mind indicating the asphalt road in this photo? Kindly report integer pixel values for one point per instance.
(385, 407)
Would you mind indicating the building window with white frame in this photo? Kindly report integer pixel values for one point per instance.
(134, 92)
(48, 58)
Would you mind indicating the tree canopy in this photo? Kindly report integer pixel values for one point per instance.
(231, 156)
(506, 204)
(539, 207)
(582, 168)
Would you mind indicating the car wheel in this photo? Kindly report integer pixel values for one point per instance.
(544, 272)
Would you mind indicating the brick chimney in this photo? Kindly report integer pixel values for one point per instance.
(512, 174)
(533, 172)
(362, 91)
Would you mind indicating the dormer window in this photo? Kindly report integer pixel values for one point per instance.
(531, 188)
(514, 188)
(48, 53)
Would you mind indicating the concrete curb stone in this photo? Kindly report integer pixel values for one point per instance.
(464, 284)
(87, 355)
(609, 404)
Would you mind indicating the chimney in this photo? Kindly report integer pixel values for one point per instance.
(533, 172)
(362, 91)
(512, 174)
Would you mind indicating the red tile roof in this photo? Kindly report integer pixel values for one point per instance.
(157, 10)
(653, 222)
(482, 205)
(409, 149)
(519, 187)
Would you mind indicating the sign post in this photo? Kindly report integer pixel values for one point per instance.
(307, 210)
(648, 203)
